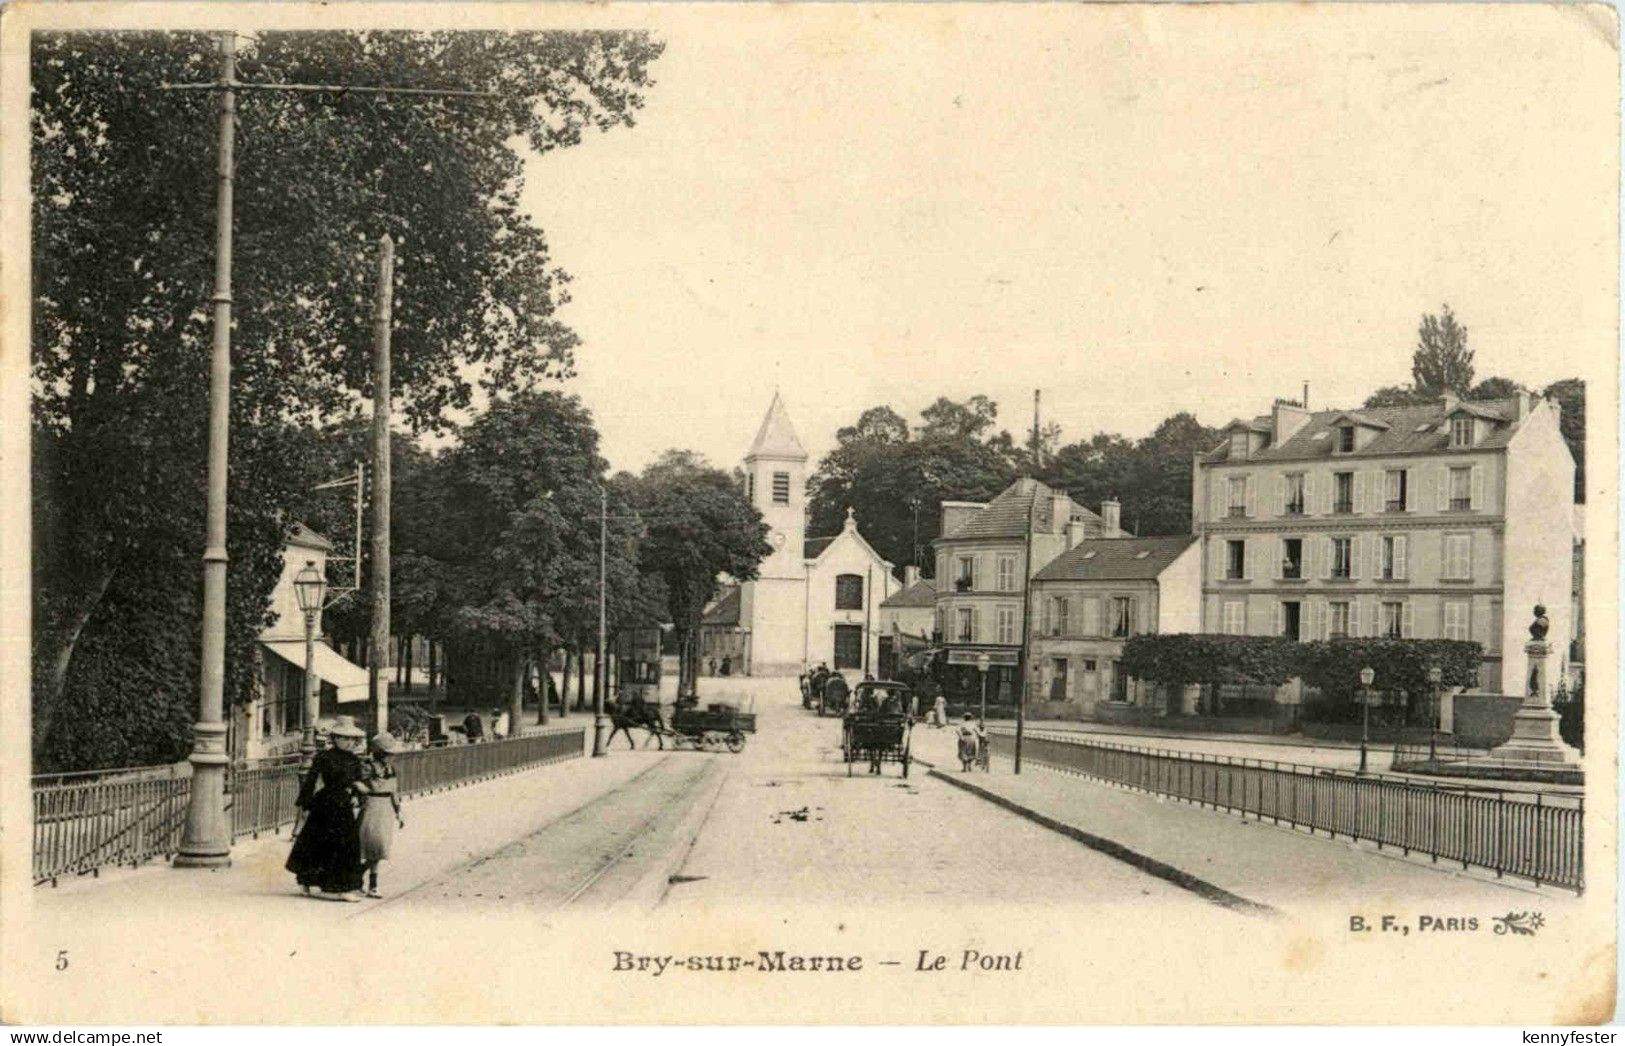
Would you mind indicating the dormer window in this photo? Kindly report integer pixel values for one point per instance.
(1238, 443)
(1461, 431)
(1345, 439)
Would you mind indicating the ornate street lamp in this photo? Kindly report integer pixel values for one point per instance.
(309, 588)
(1435, 676)
(1366, 677)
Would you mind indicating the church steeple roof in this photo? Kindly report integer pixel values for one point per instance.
(777, 437)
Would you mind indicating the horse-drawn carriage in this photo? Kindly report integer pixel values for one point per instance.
(714, 727)
(878, 727)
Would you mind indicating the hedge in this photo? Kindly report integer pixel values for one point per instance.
(1333, 667)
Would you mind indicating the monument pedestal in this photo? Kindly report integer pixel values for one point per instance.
(1536, 750)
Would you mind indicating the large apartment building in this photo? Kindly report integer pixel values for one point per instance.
(1450, 519)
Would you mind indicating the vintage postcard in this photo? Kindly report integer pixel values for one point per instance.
(809, 513)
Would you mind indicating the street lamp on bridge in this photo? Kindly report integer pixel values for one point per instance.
(309, 588)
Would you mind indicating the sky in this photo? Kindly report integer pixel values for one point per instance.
(1137, 211)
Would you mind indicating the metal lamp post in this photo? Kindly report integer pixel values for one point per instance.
(1366, 677)
(1435, 677)
(983, 662)
(309, 588)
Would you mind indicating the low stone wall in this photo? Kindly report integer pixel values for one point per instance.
(1483, 720)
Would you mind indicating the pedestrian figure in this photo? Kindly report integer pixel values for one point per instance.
(327, 851)
(472, 727)
(727, 666)
(971, 740)
(381, 809)
(499, 724)
(939, 712)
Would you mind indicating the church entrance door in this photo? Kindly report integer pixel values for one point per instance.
(848, 646)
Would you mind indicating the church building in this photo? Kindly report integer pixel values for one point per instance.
(815, 599)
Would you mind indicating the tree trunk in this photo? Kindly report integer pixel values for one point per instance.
(516, 695)
(597, 678)
(544, 683)
(61, 658)
(581, 679)
(406, 656)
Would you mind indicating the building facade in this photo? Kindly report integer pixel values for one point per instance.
(1091, 600)
(907, 619)
(986, 557)
(273, 722)
(1445, 520)
(815, 599)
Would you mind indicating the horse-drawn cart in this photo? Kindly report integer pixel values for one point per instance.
(714, 727)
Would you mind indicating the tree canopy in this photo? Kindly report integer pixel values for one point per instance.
(123, 181)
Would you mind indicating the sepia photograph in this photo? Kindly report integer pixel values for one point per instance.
(807, 514)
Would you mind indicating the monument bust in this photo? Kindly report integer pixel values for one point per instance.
(1538, 627)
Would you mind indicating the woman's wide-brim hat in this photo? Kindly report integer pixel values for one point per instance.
(344, 726)
(386, 743)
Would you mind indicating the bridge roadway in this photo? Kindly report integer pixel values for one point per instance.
(781, 824)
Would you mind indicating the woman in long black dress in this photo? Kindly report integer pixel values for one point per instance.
(327, 853)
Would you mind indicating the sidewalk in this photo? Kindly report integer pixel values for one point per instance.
(1272, 865)
(443, 831)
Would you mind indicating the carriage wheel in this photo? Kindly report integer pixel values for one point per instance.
(736, 742)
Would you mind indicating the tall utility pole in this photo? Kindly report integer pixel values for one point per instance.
(600, 725)
(206, 838)
(1025, 669)
(379, 657)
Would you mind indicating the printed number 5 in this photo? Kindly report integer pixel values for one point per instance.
(62, 960)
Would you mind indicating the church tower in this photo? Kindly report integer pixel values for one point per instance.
(773, 606)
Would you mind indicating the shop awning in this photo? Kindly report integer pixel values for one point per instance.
(348, 678)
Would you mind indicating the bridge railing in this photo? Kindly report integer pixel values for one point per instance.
(1533, 835)
(84, 824)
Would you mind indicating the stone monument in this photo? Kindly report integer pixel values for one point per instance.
(1536, 749)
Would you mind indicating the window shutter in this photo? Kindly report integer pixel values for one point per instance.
(1354, 555)
(1247, 486)
(1280, 495)
(1479, 626)
(1217, 480)
(1356, 618)
(1327, 495)
(1280, 618)
(1400, 566)
(1326, 557)
(1308, 493)
(1280, 557)
(1477, 489)
(1407, 623)
(1441, 481)
(1359, 491)
(1467, 572)
(976, 624)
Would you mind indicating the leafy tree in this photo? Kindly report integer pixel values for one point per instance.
(1151, 477)
(123, 240)
(1570, 395)
(1495, 389)
(698, 526)
(895, 479)
(1442, 361)
(516, 553)
(1397, 396)
(1399, 665)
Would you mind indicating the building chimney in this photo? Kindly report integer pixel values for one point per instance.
(1286, 418)
(911, 576)
(1449, 400)
(1111, 514)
